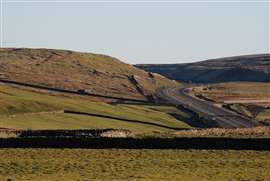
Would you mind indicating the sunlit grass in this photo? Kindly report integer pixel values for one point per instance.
(114, 164)
(16, 104)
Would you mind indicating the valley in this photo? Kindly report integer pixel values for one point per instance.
(117, 118)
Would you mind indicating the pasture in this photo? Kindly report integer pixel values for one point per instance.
(25, 109)
(123, 164)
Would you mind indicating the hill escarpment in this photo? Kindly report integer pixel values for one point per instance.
(82, 72)
(255, 68)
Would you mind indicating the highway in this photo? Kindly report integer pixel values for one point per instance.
(220, 116)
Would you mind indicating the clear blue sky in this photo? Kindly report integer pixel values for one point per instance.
(138, 32)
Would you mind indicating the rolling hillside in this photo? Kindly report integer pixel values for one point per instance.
(85, 72)
(23, 105)
(25, 109)
(254, 68)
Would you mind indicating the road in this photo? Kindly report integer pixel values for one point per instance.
(222, 117)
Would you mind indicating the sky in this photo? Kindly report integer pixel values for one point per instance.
(139, 32)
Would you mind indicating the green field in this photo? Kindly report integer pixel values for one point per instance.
(24, 109)
(113, 164)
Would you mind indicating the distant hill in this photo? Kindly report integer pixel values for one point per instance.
(85, 72)
(239, 68)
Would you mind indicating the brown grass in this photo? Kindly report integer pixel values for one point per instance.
(8, 133)
(222, 132)
(133, 165)
(248, 98)
(238, 92)
(255, 132)
(95, 73)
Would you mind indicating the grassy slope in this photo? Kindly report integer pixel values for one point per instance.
(265, 115)
(238, 91)
(247, 87)
(16, 104)
(95, 73)
(241, 109)
(260, 114)
(114, 164)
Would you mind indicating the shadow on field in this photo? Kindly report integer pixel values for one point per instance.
(193, 121)
(135, 143)
(123, 119)
(76, 92)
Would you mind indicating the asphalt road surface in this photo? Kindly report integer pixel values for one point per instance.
(222, 117)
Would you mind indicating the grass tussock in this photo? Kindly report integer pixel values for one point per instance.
(94, 73)
(262, 131)
(122, 164)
